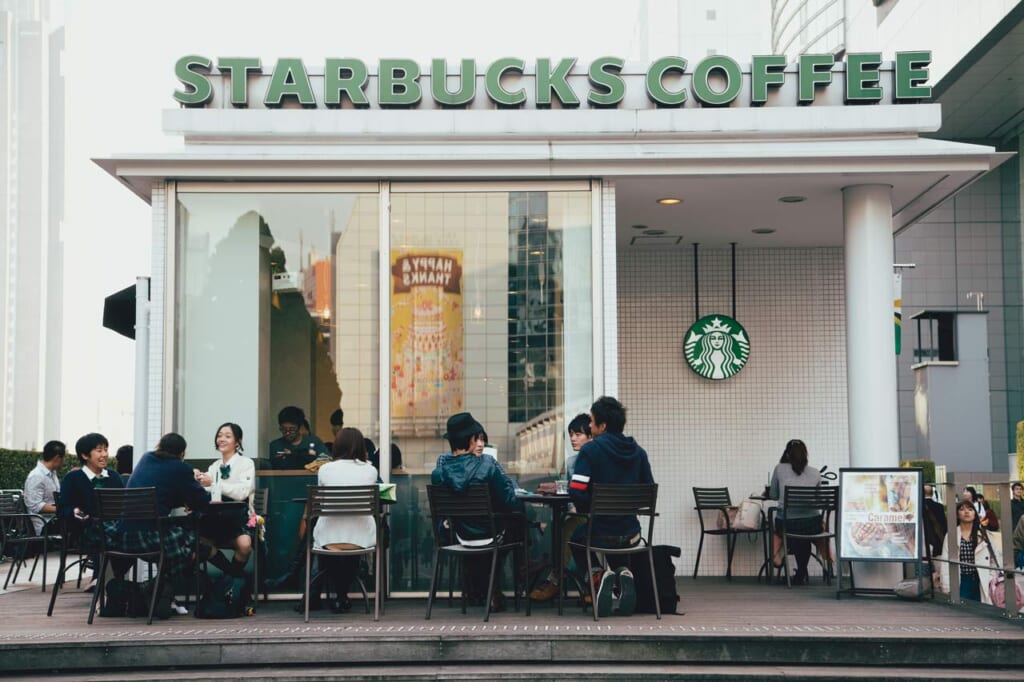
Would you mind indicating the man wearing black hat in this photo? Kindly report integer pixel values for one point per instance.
(461, 469)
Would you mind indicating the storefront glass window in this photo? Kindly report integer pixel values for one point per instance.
(492, 314)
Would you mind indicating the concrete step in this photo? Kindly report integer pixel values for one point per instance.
(545, 673)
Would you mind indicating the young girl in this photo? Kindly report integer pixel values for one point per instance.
(232, 478)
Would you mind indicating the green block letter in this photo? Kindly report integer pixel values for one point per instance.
(439, 83)
(498, 94)
(604, 76)
(238, 69)
(345, 76)
(549, 81)
(398, 83)
(811, 74)
(289, 80)
(911, 74)
(198, 89)
(702, 89)
(862, 77)
(656, 89)
(765, 71)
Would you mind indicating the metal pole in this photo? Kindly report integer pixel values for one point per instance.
(733, 246)
(696, 285)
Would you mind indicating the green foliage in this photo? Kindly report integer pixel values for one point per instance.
(15, 465)
(926, 464)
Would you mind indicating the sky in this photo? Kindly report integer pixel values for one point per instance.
(119, 71)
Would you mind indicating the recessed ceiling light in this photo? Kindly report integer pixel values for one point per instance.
(639, 227)
(792, 199)
(763, 230)
(654, 233)
(669, 201)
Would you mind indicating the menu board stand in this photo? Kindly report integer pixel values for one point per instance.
(879, 520)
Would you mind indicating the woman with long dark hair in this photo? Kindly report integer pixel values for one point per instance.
(231, 478)
(793, 470)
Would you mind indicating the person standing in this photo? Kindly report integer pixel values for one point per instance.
(42, 483)
(610, 457)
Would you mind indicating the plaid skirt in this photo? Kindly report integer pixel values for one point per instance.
(178, 546)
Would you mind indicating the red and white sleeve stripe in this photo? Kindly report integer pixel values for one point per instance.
(579, 482)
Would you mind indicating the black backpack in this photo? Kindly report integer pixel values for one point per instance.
(665, 577)
(129, 598)
(223, 597)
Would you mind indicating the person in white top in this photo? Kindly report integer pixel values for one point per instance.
(349, 467)
(232, 478)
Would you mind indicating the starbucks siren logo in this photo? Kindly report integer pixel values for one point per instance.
(716, 347)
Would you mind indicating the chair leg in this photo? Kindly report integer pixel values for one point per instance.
(654, 581)
(101, 580)
(700, 548)
(433, 582)
(156, 587)
(590, 582)
(526, 586)
(309, 566)
(785, 557)
(58, 582)
(730, 549)
(490, 585)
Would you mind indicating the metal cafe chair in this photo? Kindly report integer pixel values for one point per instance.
(825, 500)
(715, 500)
(128, 504)
(626, 499)
(17, 535)
(447, 506)
(260, 505)
(335, 501)
(68, 546)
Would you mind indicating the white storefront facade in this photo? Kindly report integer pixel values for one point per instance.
(553, 274)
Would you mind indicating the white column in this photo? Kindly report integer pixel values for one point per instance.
(870, 335)
(870, 350)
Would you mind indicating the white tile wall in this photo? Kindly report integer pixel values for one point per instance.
(154, 418)
(731, 433)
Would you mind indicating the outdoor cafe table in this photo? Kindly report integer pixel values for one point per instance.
(559, 504)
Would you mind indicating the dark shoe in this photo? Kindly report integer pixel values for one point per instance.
(341, 605)
(627, 593)
(800, 577)
(497, 602)
(604, 594)
(314, 605)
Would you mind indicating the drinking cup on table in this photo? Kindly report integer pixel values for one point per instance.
(562, 486)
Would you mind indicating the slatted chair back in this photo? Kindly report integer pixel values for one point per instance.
(472, 503)
(361, 500)
(625, 499)
(261, 501)
(710, 499)
(820, 498)
(12, 502)
(341, 501)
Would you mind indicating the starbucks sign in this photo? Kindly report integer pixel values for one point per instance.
(716, 347)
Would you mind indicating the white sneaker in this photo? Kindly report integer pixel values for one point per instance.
(178, 608)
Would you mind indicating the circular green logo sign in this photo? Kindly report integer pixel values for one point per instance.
(716, 347)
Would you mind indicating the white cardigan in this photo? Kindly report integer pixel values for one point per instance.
(982, 557)
(355, 530)
(241, 482)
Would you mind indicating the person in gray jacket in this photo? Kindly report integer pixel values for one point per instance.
(793, 470)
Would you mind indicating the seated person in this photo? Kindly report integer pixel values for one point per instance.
(231, 478)
(610, 457)
(465, 467)
(77, 502)
(372, 454)
(176, 486)
(579, 435)
(42, 484)
(794, 472)
(294, 450)
(349, 467)
(124, 460)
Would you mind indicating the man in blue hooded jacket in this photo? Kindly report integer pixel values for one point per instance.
(464, 467)
(610, 457)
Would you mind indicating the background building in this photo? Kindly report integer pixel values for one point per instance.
(32, 113)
